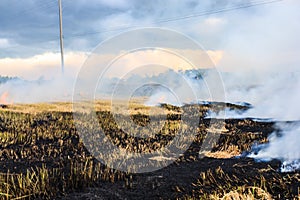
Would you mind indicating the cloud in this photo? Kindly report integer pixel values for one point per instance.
(214, 22)
(4, 43)
(33, 25)
(121, 4)
(44, 65)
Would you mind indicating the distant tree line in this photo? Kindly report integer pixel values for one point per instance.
(4, 79)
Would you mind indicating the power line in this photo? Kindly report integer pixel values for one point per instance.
(238, 7)
(200, 14)
(162, 21)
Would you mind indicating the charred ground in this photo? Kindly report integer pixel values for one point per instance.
(42, 156)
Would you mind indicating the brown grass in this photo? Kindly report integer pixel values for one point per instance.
(46, 133)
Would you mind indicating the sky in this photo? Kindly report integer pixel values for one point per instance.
(260, 38)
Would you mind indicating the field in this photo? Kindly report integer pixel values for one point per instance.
(43, 157)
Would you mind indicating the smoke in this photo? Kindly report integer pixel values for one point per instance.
(273, 97)
(283, 145)
(35, 91)
(161, 96)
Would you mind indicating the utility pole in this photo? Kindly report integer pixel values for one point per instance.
(61, 37)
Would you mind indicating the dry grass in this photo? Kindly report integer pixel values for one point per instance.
(230, 152)
(246, 193)
(242, 193)
(39, 107)
(45, 133)
(119, 107)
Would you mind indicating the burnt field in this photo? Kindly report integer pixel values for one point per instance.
(43, 157)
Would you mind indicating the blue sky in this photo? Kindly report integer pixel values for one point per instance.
(259, 38)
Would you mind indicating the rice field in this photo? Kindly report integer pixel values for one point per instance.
(42, 156)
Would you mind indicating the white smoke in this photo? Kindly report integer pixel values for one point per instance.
(42, 90)
(161, 97)
(274, 97)
(283, 146)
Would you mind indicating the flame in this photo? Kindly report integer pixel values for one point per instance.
(161, 99)
(4, 99)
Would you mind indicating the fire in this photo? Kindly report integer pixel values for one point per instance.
(161, 99)
(4, 99)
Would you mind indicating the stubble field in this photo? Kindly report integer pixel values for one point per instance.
(43, 157)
